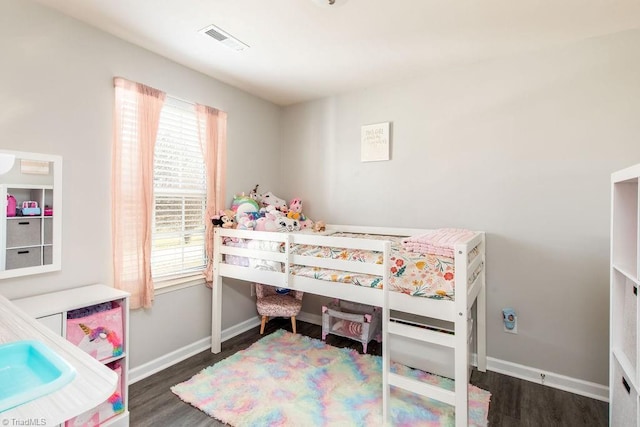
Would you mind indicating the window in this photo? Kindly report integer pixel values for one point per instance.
(163, 189)
(180, 195)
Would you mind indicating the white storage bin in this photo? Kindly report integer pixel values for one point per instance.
(624, 407)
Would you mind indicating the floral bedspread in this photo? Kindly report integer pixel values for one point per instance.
(412, 273)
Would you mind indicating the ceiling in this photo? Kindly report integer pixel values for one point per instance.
(300, 51)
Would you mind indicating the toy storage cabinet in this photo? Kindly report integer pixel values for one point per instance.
(624, 377)
(27, 240)
(51, 310)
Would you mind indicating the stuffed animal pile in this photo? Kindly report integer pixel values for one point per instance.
(264, 212)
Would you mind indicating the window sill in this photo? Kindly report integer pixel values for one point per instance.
(163, 286)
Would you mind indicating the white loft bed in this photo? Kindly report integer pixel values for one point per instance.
(469, 290)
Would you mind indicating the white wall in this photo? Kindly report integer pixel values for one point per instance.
(522, 148)
(56, 96)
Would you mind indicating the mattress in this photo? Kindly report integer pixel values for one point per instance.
(415, 274)
(411, 273)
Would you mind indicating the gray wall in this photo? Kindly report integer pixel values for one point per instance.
(522, 148)
(56, 96)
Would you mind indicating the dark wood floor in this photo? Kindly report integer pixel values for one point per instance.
(514, 402)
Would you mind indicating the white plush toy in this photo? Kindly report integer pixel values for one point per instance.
(245, 221)
(270, 199)
(287, 224)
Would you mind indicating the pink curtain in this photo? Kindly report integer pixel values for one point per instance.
(212, 133)
(136, 121)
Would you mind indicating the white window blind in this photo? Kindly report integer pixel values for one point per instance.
(180, 194)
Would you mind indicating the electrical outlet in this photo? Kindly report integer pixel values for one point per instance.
(515, 326)
(510, 320)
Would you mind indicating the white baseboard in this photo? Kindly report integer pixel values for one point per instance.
(561, 382)
(314, 319)
(550, 379)
(143, 371)
(527, 373)
(239, 328)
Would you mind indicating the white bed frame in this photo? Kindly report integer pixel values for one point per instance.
(456, 312)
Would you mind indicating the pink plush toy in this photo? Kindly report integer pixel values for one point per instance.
(295, 209)
(267, 222)
(295, 212)
(276, 221)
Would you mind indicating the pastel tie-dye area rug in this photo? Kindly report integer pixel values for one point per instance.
(288, 379)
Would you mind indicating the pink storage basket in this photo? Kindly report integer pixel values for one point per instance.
(112, 407)
(99, 334)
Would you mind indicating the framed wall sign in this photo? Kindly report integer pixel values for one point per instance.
(375, 142)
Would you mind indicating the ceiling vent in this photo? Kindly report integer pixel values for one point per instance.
(223, 37)
(329, 3)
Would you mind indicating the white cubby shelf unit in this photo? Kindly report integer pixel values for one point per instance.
(52, 310)
(624, 377)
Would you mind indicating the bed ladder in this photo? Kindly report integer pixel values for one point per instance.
(458, 398)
